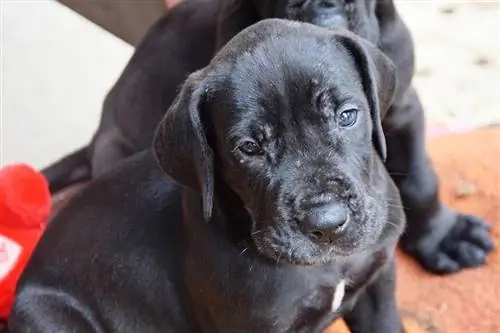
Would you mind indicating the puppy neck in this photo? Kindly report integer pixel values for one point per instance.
(228, 216)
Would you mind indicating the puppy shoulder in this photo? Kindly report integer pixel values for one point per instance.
(127, 206)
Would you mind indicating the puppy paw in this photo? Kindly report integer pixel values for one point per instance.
(465, 243)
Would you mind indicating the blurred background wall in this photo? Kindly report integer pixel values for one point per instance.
(58, 60)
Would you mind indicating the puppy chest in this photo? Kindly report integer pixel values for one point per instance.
(320, 307)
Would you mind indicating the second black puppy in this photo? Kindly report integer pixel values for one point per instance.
(278, 146)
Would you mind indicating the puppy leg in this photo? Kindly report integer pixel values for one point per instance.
(376, 309)
(69, 170)
(110, 148)
(41, 310)
(442, 240)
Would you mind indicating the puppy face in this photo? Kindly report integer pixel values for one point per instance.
(357, 16)
(294, 114)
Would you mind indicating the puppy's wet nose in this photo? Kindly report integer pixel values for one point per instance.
(325, 13)
(324, 223)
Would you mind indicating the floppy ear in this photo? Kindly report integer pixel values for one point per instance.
(379, 78)
(180, 144)
(234, 16)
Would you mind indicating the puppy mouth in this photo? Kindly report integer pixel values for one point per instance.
(286, 243)
(279, 235)
(299, 254)
(287, 246)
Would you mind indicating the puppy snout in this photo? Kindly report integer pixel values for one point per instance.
(325, 13)
(324, 223)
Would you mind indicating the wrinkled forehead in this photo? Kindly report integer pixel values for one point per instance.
(277, 8)
(283, 73)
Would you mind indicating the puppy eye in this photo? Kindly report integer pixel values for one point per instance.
(250, 148)
(327, 4)
(347, 118)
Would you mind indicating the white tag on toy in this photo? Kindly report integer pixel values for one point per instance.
(9, 254)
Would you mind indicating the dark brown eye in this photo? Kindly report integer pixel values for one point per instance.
(327, 4)
(347, 118)
(250, 148)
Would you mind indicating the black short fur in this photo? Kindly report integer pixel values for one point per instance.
(231, 250)
(442, 240)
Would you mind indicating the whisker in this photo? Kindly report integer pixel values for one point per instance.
(278, 259)
(293, 249)
(395, 226)
(395, 199)
(392, 224)
(324, 259)
(251, 265)
(244, 250)
(398, 173)
(396, 206)
(257, 232)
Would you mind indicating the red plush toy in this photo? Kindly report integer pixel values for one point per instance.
(25, 205)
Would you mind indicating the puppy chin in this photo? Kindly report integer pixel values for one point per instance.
(287, 247)
(284, 244)
(364, 236)
(296, 249)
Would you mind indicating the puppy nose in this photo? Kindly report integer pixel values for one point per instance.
(324, 223)
(325, 13)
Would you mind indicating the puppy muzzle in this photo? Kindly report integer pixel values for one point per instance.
(325, 13)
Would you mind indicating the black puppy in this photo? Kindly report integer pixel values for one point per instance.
(277, 143)
(178, 44)
(444, 241)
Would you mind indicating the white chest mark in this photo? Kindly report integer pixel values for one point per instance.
(338, 296)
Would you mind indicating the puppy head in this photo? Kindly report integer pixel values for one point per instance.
(294, 114)
(358, 16)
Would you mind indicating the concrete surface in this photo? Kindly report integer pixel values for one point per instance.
(466, 302)
(56, 70)
(57, 67)
(458, 60)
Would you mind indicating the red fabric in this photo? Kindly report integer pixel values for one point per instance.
(25, 205)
